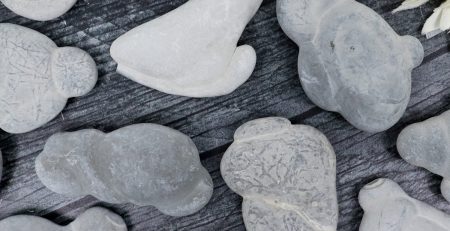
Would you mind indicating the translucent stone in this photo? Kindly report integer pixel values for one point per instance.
(41, 10)
(97, 219)
(351, 61)
(427, 144)
(286, 175)
(143, 164)
(37, 78)
(387, 208)
(192, 50)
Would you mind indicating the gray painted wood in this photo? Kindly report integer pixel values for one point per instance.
(273, 90)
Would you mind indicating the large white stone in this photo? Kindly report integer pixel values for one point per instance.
(190, 51)
(388, 208)
(427, 144)
(286, 175)
(351, 61)
(37, 78)
(41, 10)
(94, 219)
(143, 164)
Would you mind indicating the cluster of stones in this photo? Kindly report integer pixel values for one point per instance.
(351, 62)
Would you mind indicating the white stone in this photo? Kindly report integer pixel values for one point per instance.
(351, 61)
(94, 219)
(388, 208)
(143, 164)
(190, 51)
(40, 10)
(286, 175)
(37, 78)
(427, 144)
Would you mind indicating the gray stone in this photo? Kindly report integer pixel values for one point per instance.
(351, 61)
(388, 208)
(37, 78)
(286, 175)
(97, 219)
(41, 10)
(190, 51)
(143, 164)
(427, 145)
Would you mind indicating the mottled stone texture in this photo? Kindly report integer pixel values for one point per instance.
(94, 219)
(388, 208)
(37, 78)
(427, 144)
(143, 164)
(41, 10)
(286, 175)
(190, 51)
(351, 61)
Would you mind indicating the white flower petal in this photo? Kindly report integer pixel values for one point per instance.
(445, 18)
(431, 27)
(439, 21)
(410, 4)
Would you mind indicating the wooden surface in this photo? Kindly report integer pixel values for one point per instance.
(273, 90)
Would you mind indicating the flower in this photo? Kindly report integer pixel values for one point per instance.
(410, 4)
(438, 22)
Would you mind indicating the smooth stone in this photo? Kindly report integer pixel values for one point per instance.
(285, 173)
(427, 144)
(97, 219)
(192, 50)
(37, 78)
(351, 61)
(143, 164)
(388, 208)
(40, 10)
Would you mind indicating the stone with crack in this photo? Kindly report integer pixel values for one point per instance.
(285, 173)
(37, 78)
(427, 144)
(40, 10)
(191, 51)
(388, 208)
(143, 164)
(351, 61)
(96, 218)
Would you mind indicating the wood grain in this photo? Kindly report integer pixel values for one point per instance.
(273, 90)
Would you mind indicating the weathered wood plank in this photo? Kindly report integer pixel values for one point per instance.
(273, 90)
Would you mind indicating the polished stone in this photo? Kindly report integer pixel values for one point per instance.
(192, 50)
(143, 164)
(351, 61)
(37, 78)
(97, 219)
(387, 208)
(286, 175)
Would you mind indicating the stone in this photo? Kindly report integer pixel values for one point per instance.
(37, 78)
(427, 144)
(142, 164)
(97, 219)
(351, 61)
(40, 10)
(285, 173)
(191, 51)
(388, 208)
